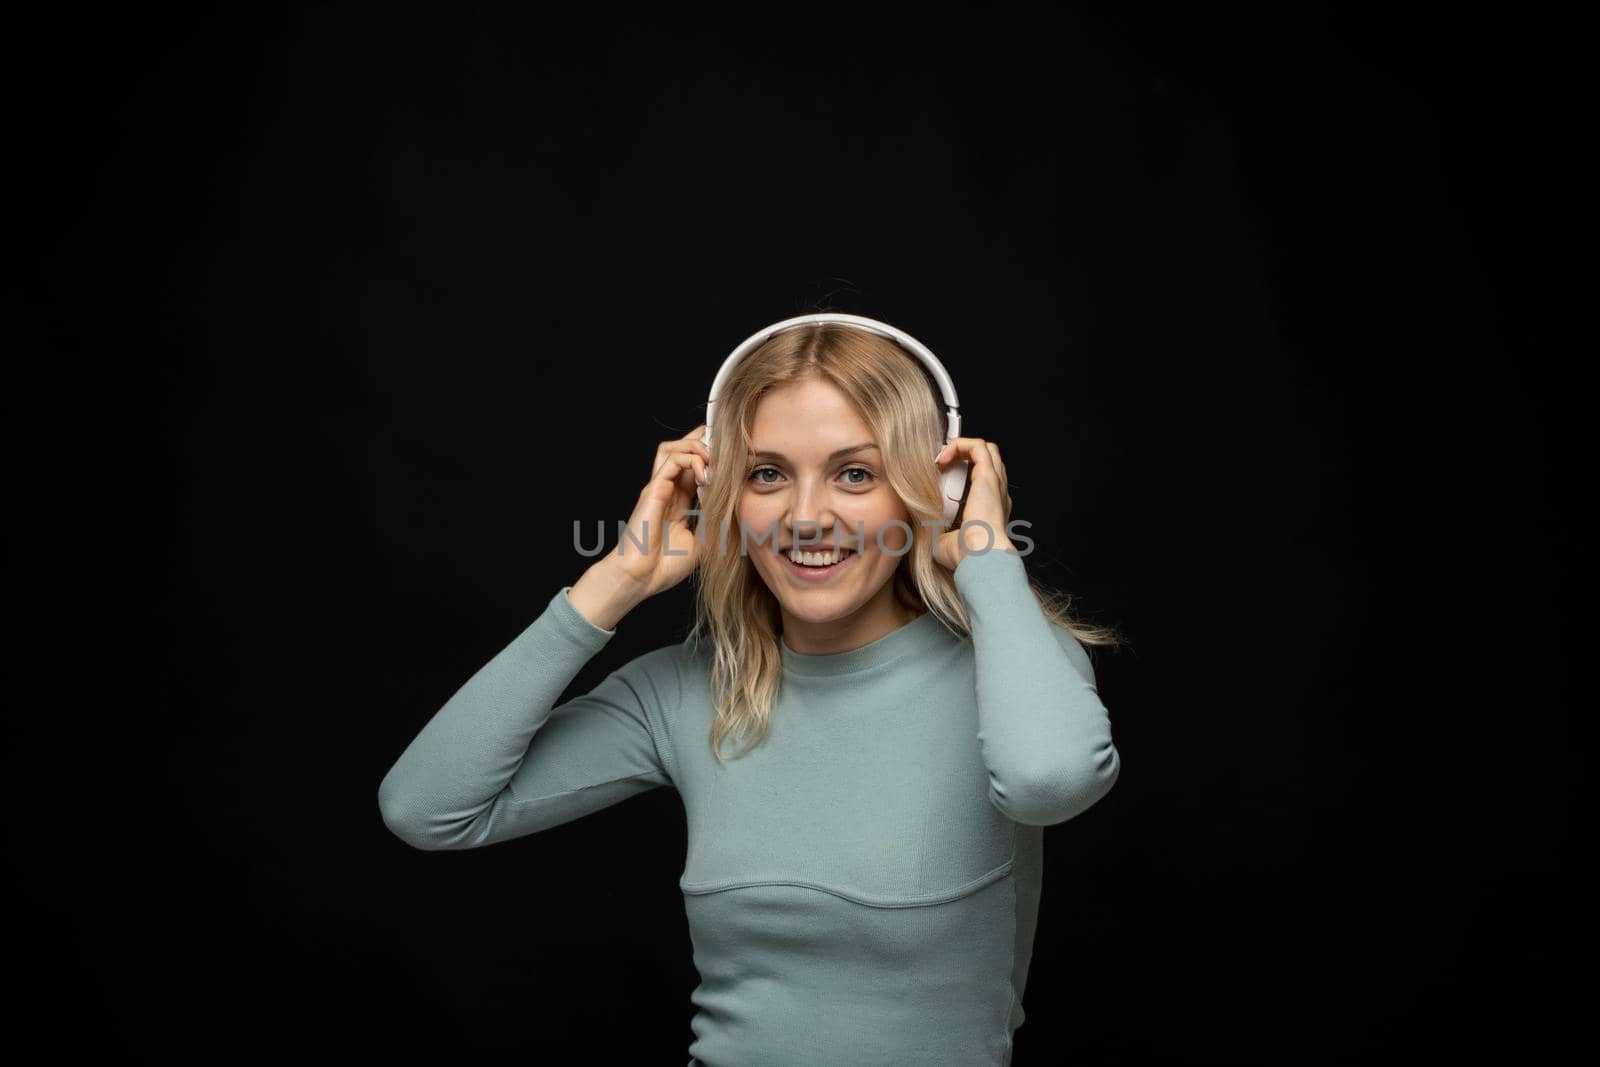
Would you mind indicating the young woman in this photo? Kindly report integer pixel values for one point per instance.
(863, 875)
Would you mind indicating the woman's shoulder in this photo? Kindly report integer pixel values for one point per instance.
(661, 675)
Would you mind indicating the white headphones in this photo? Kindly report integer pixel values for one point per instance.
(952, 482)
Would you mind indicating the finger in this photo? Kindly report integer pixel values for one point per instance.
(976, 449)
(985, 456)
(691, 462)
(683, 495)
(697, 474)
(677, 473)
(682, 467)
(682, 445)
(958, 446)
(1000, 471)
(671, 486)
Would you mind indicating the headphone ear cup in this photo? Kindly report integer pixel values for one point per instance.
(953, 486)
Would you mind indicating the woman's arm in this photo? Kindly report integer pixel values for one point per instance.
(1044, 734)
(499, 760)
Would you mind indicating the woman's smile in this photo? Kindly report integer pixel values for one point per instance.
(819, 571)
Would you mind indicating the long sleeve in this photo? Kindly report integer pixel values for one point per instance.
(499, 760)
(1043, 732)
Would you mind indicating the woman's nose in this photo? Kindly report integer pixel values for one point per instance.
(811, 504)
(810, 531)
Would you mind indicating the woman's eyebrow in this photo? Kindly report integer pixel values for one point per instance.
(781, 458)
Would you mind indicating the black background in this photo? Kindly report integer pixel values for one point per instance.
(356, 308)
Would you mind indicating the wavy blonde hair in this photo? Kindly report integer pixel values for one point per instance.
(734, 609)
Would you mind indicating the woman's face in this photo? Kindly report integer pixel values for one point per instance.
(804, 486)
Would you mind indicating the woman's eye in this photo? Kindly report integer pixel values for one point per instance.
(755, 475)
(859, 470)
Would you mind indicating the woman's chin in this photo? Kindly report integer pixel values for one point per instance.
(823, 602)
(817, 605)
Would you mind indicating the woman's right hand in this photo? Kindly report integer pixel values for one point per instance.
(663, 506)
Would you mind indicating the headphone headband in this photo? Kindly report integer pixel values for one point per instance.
(940, 376)
(952, 482)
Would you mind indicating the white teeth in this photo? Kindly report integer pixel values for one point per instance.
(817, 559)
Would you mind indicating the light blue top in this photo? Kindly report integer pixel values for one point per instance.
(862, 888)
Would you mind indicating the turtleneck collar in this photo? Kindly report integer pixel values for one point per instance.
(917, 635)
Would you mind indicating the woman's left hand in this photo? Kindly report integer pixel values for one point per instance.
(988, 502)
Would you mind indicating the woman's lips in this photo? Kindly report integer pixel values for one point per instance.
(817, 574)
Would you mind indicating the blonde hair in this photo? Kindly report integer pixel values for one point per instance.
(734, 609)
